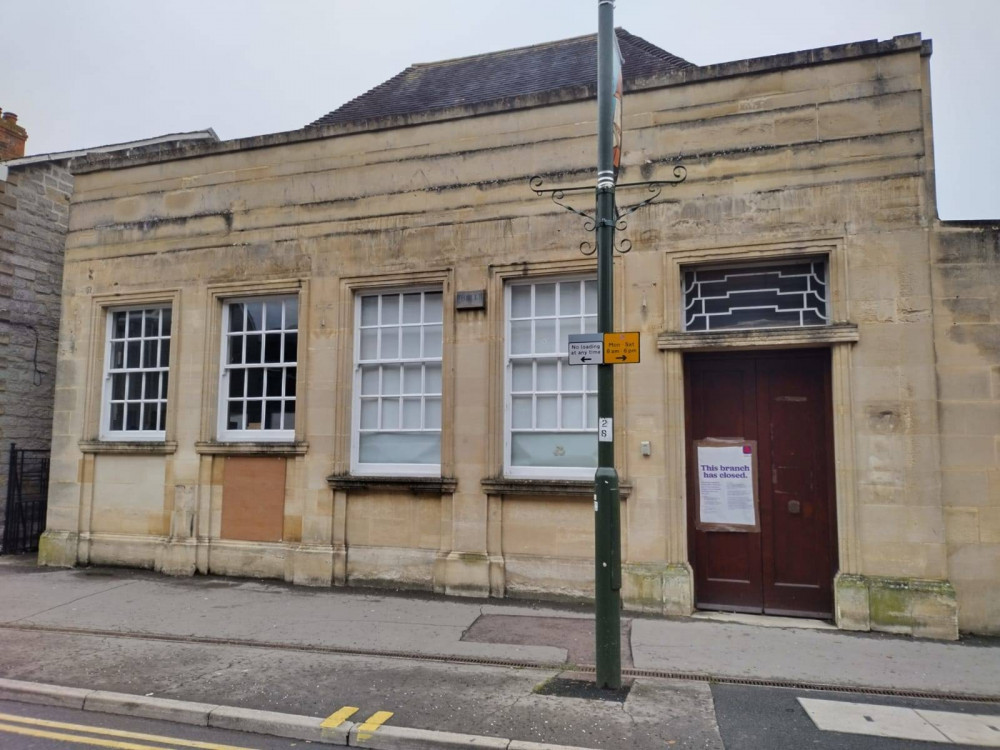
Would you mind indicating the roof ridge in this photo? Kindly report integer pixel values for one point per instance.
(649, 47)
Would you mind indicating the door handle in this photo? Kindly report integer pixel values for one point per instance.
(794, 506)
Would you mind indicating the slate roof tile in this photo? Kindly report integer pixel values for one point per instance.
(500, 75)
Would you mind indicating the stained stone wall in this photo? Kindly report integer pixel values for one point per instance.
(34, 216)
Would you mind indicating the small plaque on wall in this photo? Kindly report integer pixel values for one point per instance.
(471, 300)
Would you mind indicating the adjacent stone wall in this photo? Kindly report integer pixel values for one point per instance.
(966, 259)
(34, 215)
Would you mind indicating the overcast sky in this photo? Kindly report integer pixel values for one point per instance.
(82, 73)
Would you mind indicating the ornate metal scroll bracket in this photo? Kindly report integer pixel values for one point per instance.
(587, 247)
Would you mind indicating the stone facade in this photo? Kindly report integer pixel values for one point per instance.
(34, 216)
(820, 154)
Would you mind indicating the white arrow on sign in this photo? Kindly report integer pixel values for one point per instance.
(586, 348)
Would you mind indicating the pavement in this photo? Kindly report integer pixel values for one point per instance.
(479, 673)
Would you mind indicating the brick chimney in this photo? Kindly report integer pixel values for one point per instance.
(12, 137)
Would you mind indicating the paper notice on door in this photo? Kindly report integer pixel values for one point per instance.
(727, 487)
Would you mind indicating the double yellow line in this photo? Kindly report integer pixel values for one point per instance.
(42, 728)
(102, 737)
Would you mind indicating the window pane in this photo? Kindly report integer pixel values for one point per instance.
(118, 387)
(134, 348)
(253, 348)
(411, 308)
(432, 341)
(390, 309)
(255, 311)
(400, 447)
(135, 324)
(272, 414)
(592, 412)
(135, 385)
(151, 386)
(521, 377)
(117, 416)
(411, 342)
(545, 336)
(272, 347)
(253, 415)
(272, 316)
(432, 379)
(163, 385)
(132, 417)
(369, 414)
(590, 297)
(432, 307)
(432, 416)
(545, 413)
(291, 347)
(369, 380)
(165, 321)
(545, 299)
(369, 311)
(149, 358)
(390, 414)
(291, 318)
(151, 324)
(546, 377)
(234, 415)
(235, 316)
(572, 377)
(235, 350)
(567, 326)
(163, 417)
(557, 450)
(590, 324)
(255, 382)
(274, 379)
(290, 375)
(521, 412)
(117, 355)
(118, 329)
(289, 420)
(411, 413)
(165, 353)
(390, 380)
(520, 301)
(520, 337)
(369, 343)
(572, 415)
(236, 383)
(412, 379)
(389, 348)
(149, 416)
(569, 298)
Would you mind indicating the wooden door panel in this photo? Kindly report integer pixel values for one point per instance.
(722, 397)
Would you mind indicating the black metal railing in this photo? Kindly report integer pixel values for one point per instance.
(27, 499)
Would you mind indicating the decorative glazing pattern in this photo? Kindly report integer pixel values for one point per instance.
(790, 294)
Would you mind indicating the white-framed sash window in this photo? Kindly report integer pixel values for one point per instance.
(258, 374)
(136, 370)
(397, 383)
(550, 407)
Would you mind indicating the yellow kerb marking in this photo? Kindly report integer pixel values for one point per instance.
(338, 717)
(373, 722)
(115, 744)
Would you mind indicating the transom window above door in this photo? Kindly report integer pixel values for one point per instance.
(790, 294)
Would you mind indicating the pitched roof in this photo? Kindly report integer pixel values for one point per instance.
(500, 75)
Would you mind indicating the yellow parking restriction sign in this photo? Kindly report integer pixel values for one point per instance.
(621, 348)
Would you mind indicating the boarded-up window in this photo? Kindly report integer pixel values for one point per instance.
(253, 499)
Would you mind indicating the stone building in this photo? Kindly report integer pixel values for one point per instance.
(34, 216)
(338, 355)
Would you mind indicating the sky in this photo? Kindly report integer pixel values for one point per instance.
(81, 73)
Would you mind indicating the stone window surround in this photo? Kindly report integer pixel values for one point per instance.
(350, 288)
(218, 295)
(102, 305)
(838, 336)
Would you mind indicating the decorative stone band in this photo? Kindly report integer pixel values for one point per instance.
(838, 333)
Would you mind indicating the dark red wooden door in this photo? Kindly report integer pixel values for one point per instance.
(781, 400)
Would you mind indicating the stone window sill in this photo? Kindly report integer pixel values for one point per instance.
(129, 447)
(574, 487)
(838, 333)
(213, 448)
(420, 485)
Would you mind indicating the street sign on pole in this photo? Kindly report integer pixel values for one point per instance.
(621, 348)
(586, 348)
